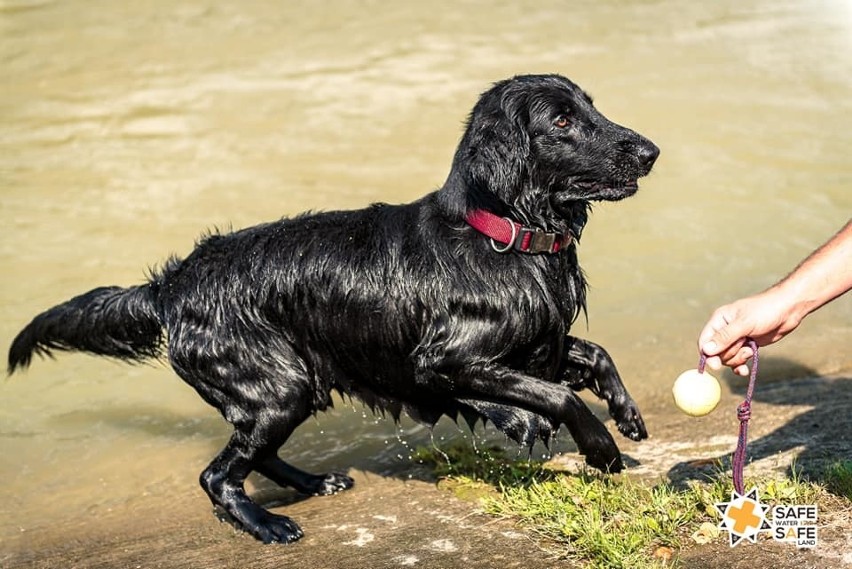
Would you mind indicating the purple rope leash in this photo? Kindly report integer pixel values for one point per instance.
(743, 414)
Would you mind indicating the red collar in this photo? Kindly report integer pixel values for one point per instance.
(514, 235)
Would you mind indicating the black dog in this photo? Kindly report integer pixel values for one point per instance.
(456, 304)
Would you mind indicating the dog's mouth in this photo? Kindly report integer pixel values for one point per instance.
(608, 191)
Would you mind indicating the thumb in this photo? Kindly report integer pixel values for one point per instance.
(723, 338)
(721, 331)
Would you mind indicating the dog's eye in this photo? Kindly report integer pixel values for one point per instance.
(561, 121)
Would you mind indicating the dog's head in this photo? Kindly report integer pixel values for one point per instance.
(536, 147)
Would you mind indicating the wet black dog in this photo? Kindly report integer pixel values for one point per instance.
(456, 304)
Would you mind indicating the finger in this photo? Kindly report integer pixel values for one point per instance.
(708, 347)
(741, 370)
(730, 355)
(742, 356)
(714, 363)
(716, 322)
(726, 341)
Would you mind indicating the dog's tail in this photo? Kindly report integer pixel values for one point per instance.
(107, 321)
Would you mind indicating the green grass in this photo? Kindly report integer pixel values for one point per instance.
(838, 479)
(607, 521)
(612, 523)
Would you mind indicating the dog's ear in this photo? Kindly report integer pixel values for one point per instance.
(490, 164)
(496, 144)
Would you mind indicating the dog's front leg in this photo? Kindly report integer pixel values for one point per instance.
(587, 365)
(498, 384)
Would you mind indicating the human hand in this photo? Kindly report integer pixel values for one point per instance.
(769, 316)
(766, 318)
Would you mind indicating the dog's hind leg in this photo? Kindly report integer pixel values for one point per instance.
(266, 397)
(266, 391)
(254, 449)
(587, 365)
(224, 478)
(285, 474)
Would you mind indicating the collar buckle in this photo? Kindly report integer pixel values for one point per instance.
(539, 242)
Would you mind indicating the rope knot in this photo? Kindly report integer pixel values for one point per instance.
(744, 411)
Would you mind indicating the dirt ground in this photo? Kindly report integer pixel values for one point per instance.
(405, 520)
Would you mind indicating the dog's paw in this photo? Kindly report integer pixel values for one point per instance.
(262, 525)
(332, 483)
(272, 528)
(597, 445)
(604, 460)
(629, 421)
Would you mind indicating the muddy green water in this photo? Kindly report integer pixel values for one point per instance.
(129, 128)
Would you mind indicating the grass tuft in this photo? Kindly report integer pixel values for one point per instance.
(838, 479)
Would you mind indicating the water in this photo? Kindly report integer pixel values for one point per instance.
(130, 128)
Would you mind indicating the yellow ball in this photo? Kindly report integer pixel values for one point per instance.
(696, 393)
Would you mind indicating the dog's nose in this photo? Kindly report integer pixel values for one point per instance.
(647, 153)
(644, 150)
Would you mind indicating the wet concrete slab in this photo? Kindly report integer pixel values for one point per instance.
(383, 522)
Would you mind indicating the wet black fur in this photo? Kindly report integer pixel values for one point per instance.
(403, 306)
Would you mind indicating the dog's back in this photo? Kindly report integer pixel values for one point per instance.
(361, 297)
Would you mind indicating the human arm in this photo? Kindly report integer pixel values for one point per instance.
(772, 314)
